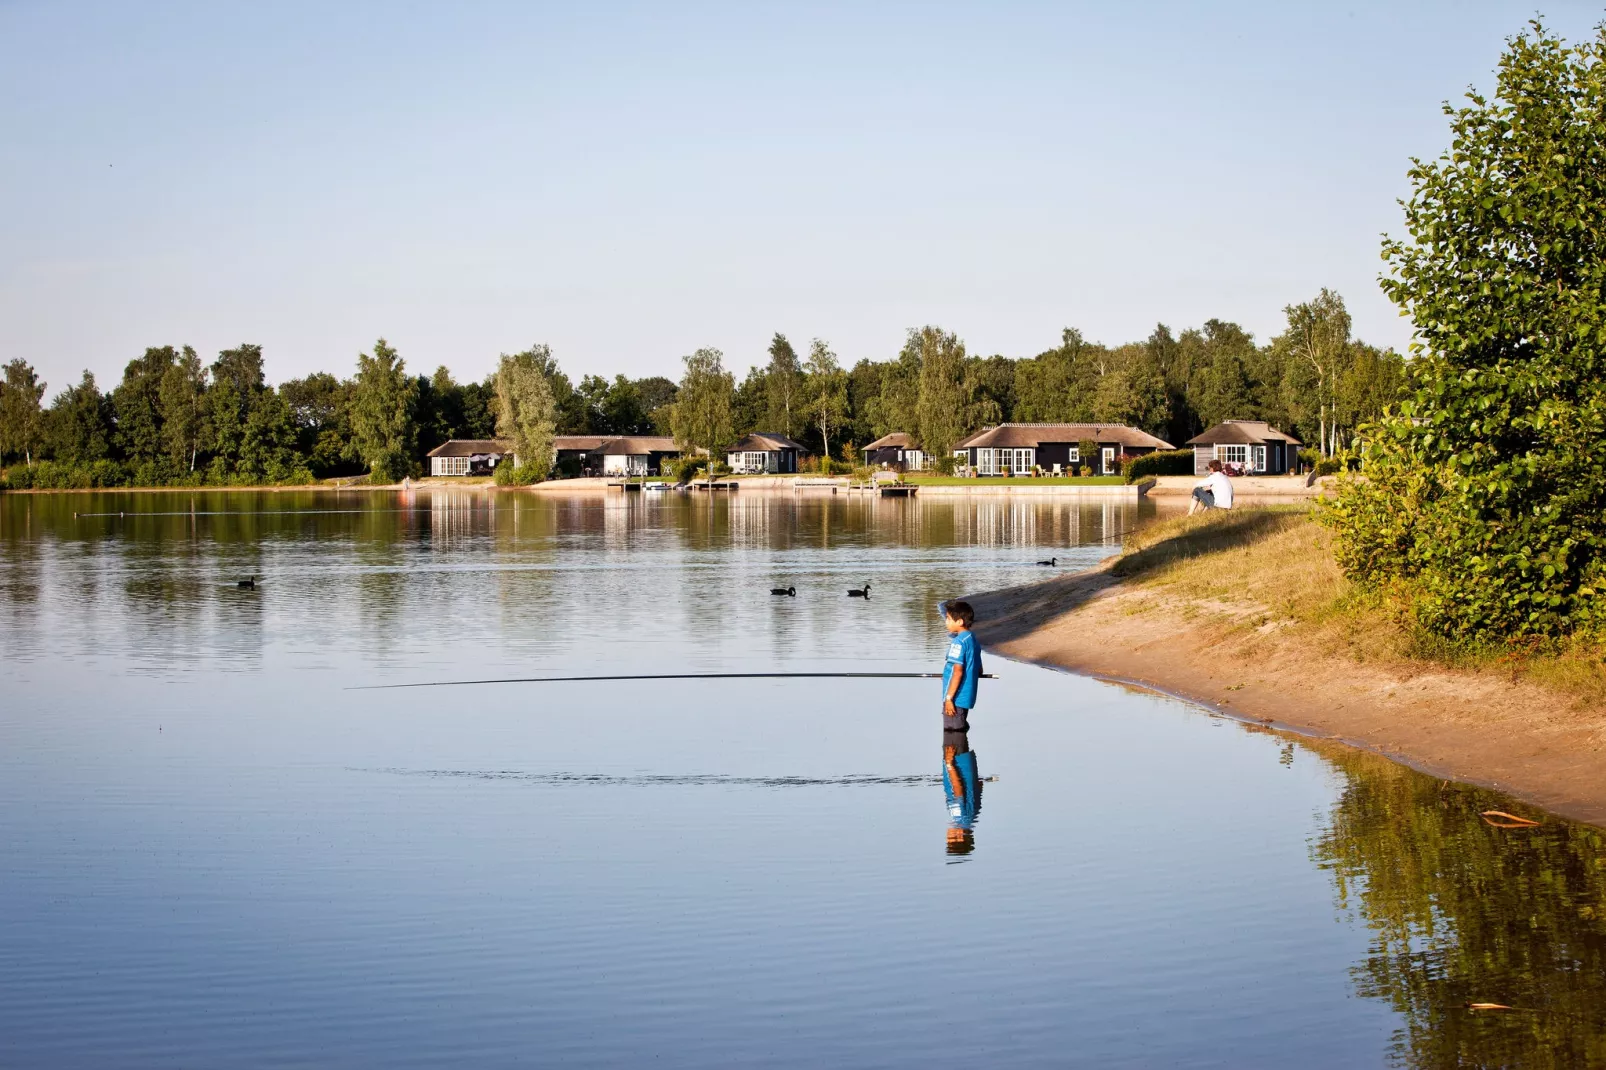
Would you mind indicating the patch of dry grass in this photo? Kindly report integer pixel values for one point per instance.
(1273, 568)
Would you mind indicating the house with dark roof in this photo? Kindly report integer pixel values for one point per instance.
(1251, 446)
(577, 454)
(1016, 449)
(468, 456)
(765, 452)
(897, 450)
(636, 455)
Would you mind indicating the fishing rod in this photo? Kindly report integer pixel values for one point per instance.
(672, 676)
(251, 512)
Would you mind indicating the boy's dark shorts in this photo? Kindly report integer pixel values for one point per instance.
(959, 722)
(1205, 497)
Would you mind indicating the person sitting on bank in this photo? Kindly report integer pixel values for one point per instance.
(1212, 492)
(962, 668)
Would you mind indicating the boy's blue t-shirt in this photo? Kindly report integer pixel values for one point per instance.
(964, 651)
(962, 812)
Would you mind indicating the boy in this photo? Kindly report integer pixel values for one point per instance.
(1213, 492)
(962, 670)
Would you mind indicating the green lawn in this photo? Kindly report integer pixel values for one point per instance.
(1021, 481)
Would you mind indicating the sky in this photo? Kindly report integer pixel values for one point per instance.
(630, 182)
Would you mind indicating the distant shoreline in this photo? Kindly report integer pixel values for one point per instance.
(1172, 489)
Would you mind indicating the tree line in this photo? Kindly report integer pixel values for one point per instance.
(174, 419)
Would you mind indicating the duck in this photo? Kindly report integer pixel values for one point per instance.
(860, 592)
(790, 592)
(1051, 562)
(248, 584)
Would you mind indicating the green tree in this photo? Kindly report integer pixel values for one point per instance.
(783, 384)
(1319, 330)
(137, 406)
(897, 405)
(241, 367)
(1058, 384)
(268, 451)
(864, 392)
(750, 407)
(826, 388)
(526, 413)
(80, 423)
(941, 411)
(320, 409)
(382, 413)
(990, 389)
(622, 408)
(21, 419)
(1486, 488)
(701, 417)
(181, 399)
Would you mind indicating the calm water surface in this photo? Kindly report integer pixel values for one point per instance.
(213, 854)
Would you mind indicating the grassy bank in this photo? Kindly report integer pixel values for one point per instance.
(1258, 570)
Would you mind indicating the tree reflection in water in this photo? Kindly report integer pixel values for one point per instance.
(1464, 913)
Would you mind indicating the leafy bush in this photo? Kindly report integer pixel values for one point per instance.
(507, 474)
(684, 469)
(1329, 466)
(1309, 457)
(1160, 463)
(945, 464)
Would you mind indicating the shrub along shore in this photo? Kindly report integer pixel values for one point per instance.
(1248, 612)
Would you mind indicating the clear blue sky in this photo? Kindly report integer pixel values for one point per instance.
(630, 182)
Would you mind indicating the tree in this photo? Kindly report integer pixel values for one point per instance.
(622, 409)
(80, 423)
(182, 403)
(382, 413)
(268, 444)
(137, 406)
(1320, 332)
(21, 420)
(701, 416)
(656, 393)
(750, 406)
(320, 409)
(826, 387)
(526, 413)
(241, 367)
(1485, 489)
(1058, 385)
(940, 411)
(783, 384)
(897, 407)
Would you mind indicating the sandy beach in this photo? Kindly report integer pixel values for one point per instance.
(1245, 657)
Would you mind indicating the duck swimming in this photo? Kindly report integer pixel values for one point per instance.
(1051, 562)
(248, 584)
(790, 592)
(860, 592)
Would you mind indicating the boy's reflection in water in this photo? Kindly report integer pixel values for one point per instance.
(963, 784)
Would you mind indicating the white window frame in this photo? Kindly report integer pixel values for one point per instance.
(1233, 454)
(1107, 455)
(1075, 455)
(1259, 454)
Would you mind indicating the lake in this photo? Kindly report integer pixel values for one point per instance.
(214, 852)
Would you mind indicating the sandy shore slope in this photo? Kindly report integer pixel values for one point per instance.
(1483, 728)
